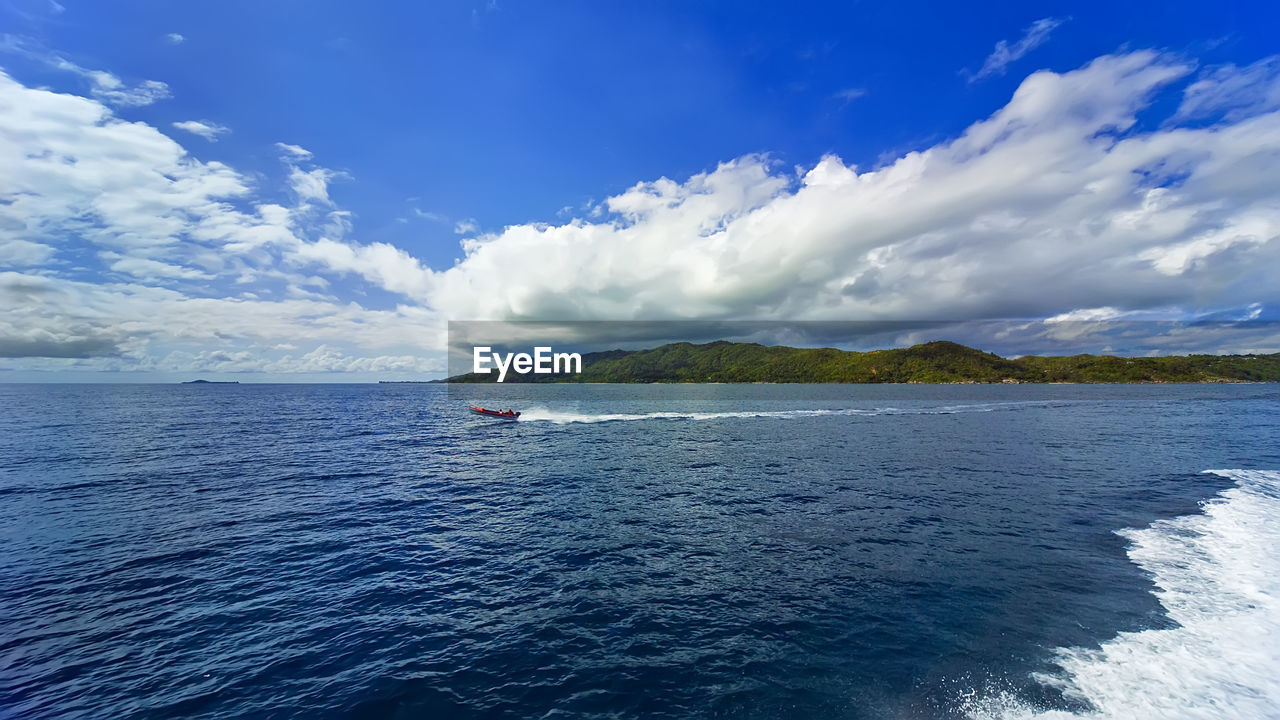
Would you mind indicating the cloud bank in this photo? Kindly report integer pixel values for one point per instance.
(1057, 202)
(122, 251)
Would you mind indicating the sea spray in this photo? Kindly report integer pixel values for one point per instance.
(1217, 574)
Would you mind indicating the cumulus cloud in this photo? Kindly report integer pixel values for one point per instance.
(24, 253)
(312, 185)
(1006, 53)
(1050, 205)
(174, 39)
(466, 227)
(204, 128)
(147, 269)
(384, 265)
(72, 168)
(1056, 206)
(188, 255)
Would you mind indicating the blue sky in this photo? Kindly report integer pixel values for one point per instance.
(494, 122)
(507, 112)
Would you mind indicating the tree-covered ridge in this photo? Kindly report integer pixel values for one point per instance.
(935, 362)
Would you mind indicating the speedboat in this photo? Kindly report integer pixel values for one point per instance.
(500, 414)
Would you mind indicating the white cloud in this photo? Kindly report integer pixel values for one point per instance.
(174, 39)
(111, 89)
(848, 95)
(432, 216)
(385, 265)
(1235, 92)
(1054, 206)
(172, 225)
(24, 253)
(323, 359)
(144, 93)
(147, 269)
(112, 325)
(204, 128)
(73, 169)
(1040, 209)
(1007, 53)
(466, 227)
(102, 85)
(1086, 315)
(312, 185)
(294, 151)
(308, 185)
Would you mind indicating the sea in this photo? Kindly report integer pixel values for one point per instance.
(640, 551)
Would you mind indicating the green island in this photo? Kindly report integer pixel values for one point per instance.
(934, 362)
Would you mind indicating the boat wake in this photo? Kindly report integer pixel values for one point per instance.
(1218, 576)
(559, 417)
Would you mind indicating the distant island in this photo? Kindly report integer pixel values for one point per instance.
(935, 362)
(211, 382)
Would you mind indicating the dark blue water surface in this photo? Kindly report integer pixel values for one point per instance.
(334, 551)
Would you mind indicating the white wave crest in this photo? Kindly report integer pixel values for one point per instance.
(1218, 576)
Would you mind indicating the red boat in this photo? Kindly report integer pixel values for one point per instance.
(502, 414)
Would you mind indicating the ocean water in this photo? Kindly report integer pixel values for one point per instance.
(356, 551)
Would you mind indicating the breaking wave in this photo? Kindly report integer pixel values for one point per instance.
(1218, 576)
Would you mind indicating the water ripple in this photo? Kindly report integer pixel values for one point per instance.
(348, 551)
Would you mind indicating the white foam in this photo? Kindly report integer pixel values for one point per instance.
(1218, 576)
(560, 417)
(542, 414)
